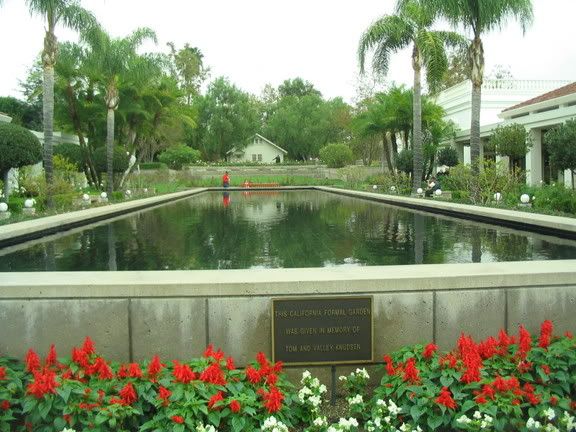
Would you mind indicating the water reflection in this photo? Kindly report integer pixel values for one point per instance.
(269, 229)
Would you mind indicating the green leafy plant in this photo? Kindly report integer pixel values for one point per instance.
(179, 155)
(448, 156)
(336, 155)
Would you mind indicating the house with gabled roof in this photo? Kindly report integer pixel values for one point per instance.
(259, 150)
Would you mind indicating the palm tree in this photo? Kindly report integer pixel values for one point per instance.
(75, 17)
(411, 25)
(479, 17)
(112, 59)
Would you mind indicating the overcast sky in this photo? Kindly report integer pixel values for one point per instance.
(254, 42)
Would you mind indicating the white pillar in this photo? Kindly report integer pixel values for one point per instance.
(534, 159)
(460, 149)
(503, 160)
(466, 157)
(568, 179)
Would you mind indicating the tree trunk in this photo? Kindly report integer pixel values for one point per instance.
(476, 59)
(6, 188)
(110, 152)
(417, 121)
(386, 154)
(48, 119)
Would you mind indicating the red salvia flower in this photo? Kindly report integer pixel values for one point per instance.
(51, 358)
(230, 363)
(213, 374)
(214, 400)
(183, 373)
(546, 330)
(504, 341)
(88, 346)
(450, 360)
(429, 350)
(515, 402)
(553, 400)
(164, 395)
(273, 400)
(128, 394)
(445, 398)
(208, 351)
(525, 342)
(252, 374)
(235, 406)
(2, 373)
(262, 360)
(488, 391)
(155, 367)
(533, 398)
(546, 369)
(524, 366)
(471, 358)
(5, 405)
(568, 334)
(480, 400)
(271, 379)
(102, 369)
(411, 373)
(80, 357)
(134, 370)
(177, 419)
(389, 365)
(487, 348)
(67, 418)
(44, 382)
(32, 361)
(123, 371)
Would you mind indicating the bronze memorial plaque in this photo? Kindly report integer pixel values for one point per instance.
(324, 330)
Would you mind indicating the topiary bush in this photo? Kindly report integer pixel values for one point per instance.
(561, 143)
(120, 161)
(404, 161)
(179, 155)
(336, 155)
(448, 156)
(72, 153)
(18, 147)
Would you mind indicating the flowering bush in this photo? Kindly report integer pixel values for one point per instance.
(520, 382)
(511, 382)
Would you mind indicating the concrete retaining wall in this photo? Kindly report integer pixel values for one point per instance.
(133, 315)
(248, 172)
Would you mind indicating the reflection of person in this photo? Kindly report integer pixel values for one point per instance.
(433, 185)
(226, 180)
(225, 199)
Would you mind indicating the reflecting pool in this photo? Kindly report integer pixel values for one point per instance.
(275, 229)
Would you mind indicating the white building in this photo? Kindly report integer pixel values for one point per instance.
(259, 149)
(538, 105)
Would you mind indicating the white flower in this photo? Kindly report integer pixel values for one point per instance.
(320, 421)
(68, 430)
(322, 388)
(315, 400)
(380, 402)
(362, 372)
(477, 415)
(332, 429)
(483, 424)
(405, 427)
(306, 374)
(549, 414)
(315, 383)
(355, 400)
(378, 422)
(387, 419)
(393, 408)
(532, 424)
(487, 418)
(463, 419)
(342, 378)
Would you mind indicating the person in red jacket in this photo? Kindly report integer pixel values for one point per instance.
(226, 180)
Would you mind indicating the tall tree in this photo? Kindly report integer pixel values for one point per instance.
(410, 26)
(71, 15)
(480, 17)
(111, 59)
(188, 68)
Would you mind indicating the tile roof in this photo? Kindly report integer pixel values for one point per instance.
(562, 91)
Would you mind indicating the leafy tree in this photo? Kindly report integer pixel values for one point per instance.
(179, 155)
(18, 147)
(73, 16)
(561, 143)
(336, 155)
(458, 69)
(70, 152)
(228, 117)
(480, 17)
(410, 26)
(297, 87)
(511, 140)
(405, 161)
(120, 161)
(22, 113)
(188, 68)
(111, 59)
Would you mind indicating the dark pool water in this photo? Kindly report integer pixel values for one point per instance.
(272, 229)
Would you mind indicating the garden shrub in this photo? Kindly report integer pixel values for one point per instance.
(179, 155)
(401, 182)
(448, 156)
(555, 198)
(72, 153)
(119, 162)
(152, 165)
(336, 155)
(404, 161)
(561, 144)
(511, 140)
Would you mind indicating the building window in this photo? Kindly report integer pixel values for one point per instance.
(259, 158)
(253, 158)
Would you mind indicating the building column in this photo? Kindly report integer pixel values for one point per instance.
(504, 160)
(466, 156)
(534, 159)
(460, 150)
(568, 179)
